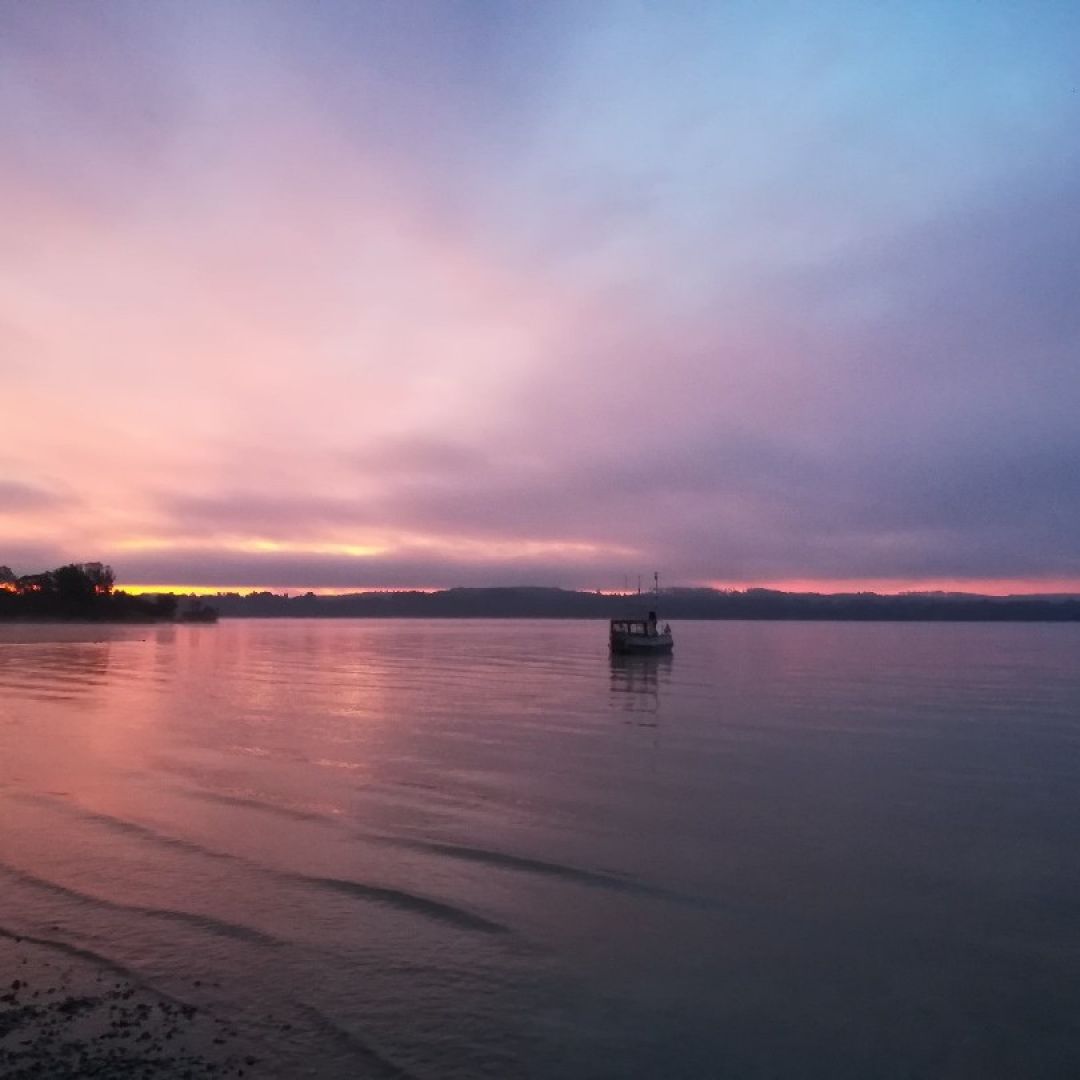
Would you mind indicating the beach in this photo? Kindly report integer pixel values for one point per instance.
(66, 1013)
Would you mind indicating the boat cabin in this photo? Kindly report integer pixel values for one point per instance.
(639, 635)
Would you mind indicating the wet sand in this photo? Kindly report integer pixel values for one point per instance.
(64, 1016)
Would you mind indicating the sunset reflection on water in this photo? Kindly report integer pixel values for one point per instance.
(489, 849)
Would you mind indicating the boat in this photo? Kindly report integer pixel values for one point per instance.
(640, 636)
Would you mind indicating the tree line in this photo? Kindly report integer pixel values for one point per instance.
(77, 591)
(541, 603)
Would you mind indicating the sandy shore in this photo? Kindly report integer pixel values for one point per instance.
(66, 1015)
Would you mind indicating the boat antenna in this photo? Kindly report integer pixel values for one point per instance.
(656, 586)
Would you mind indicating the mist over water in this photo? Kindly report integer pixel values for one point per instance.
(486, 849)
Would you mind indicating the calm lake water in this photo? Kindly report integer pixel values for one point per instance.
(485, 849)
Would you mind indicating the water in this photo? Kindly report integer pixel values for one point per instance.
(485, 849)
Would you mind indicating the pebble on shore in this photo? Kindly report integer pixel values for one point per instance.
(64, 1018)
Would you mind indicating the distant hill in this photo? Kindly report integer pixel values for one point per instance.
(546, 603)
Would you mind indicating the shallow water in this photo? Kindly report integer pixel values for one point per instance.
(485, 849)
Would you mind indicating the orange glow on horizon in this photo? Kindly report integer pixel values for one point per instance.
(895, 586)
(884, 587)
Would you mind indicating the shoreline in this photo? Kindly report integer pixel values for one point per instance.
(66, 1013)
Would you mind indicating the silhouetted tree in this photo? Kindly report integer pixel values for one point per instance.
(74, 588)
(100, 576)
(165, 605)
(76, 591)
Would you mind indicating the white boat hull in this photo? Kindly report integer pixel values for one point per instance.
(646, 644)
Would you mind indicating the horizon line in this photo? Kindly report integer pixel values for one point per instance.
(888, 587)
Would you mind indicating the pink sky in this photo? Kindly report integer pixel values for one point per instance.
(315, 299)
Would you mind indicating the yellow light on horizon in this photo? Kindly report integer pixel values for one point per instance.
(278, 590)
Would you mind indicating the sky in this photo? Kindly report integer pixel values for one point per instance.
(339, 295)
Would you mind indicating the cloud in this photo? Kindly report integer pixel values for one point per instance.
(263, 516)
(423, 456)
(16, 496)
(301, 571)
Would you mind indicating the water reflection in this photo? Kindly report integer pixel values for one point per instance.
(540, 874)
(636, 681)
(54, 672)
